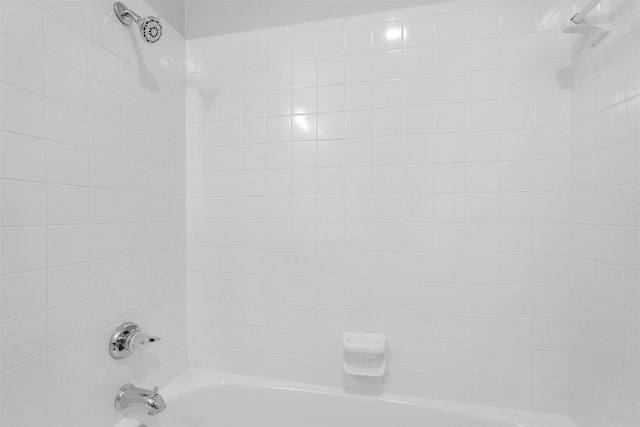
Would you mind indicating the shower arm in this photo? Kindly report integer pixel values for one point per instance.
(134, 15)
(580, 16)
(126, 15)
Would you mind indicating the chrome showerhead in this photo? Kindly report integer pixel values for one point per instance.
(150, 27)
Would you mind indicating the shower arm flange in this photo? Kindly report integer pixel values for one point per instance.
(125, 15)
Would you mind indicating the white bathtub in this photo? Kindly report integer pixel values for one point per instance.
(214, 399)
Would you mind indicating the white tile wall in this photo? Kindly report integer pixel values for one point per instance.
(409, 173)
(405, 173)
(92, 185)
(604, 339)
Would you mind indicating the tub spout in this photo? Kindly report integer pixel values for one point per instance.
(130, 395)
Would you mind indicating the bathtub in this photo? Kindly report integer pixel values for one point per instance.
(214, 399)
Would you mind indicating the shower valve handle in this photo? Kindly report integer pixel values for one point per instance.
(138, 341)
(127, 339)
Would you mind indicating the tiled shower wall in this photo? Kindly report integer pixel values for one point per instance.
(604, 303)
(403, 173)
(92, 216)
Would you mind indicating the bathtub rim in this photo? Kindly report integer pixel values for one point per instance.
(192, 379)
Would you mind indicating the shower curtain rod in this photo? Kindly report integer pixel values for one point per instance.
(580, 16)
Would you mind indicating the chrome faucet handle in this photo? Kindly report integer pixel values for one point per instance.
(127, 339)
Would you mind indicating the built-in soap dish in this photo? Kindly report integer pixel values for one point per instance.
(364, 354)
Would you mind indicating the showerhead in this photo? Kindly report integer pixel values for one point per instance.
(150, 27)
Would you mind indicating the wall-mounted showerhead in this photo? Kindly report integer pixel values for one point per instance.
(150, 27)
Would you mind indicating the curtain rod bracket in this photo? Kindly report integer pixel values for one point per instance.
(579, 17)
